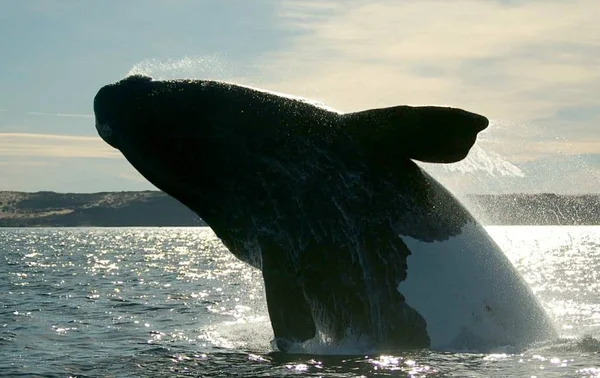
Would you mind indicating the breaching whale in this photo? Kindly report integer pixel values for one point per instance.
(353, 238)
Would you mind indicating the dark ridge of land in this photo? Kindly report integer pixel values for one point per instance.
(154, 208)
(106, 209)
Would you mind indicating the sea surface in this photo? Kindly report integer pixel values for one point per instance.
(168, 302)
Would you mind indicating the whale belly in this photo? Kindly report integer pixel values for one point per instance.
(470, 294)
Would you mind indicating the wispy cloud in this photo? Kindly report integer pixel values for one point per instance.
(25, 163)
(70, 163)
(34, 173)
(71, 115)
(514, 61)
(132, 175)
(54, 146)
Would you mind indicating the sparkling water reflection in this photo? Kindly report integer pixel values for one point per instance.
(173, 302)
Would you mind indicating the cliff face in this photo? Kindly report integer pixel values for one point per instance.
(153, 208)
(148, 208)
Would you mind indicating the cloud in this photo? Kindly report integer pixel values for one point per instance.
(69, 174)
(522, 63)
(134, 176)
(54, 146)
(70, 115)
(64, 163)
(25, 163)
(524, 141)
(531, 67)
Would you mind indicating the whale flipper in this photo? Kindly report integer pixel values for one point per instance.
(430, 134)
(289, 312)
(387, 136)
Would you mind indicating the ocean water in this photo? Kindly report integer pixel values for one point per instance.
(168, 302)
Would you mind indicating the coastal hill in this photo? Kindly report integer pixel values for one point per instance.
(111, 209)
(154, 208)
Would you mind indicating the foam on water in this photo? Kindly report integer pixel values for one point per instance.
(248, 334)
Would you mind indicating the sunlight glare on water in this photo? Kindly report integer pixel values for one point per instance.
(164, 302)
(565, 277)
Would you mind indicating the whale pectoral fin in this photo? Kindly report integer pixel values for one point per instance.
(404, 327)
(427, 133)
(290, 315)
(289, 312)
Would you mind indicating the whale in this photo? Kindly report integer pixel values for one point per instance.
(354, 239)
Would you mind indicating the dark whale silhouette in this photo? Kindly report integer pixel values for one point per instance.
(319, 201)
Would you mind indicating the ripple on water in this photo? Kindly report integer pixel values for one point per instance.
(173, 302)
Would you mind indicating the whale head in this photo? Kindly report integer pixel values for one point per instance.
(194, 139)
(119, 107)
(172, 132)
(138, 111)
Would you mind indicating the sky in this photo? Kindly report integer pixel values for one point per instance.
(532, 67)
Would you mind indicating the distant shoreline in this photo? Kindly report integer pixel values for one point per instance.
(156, 209)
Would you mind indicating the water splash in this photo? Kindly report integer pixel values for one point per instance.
(489, 162)
(212, 67)
(215, 67)
(482, 160)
